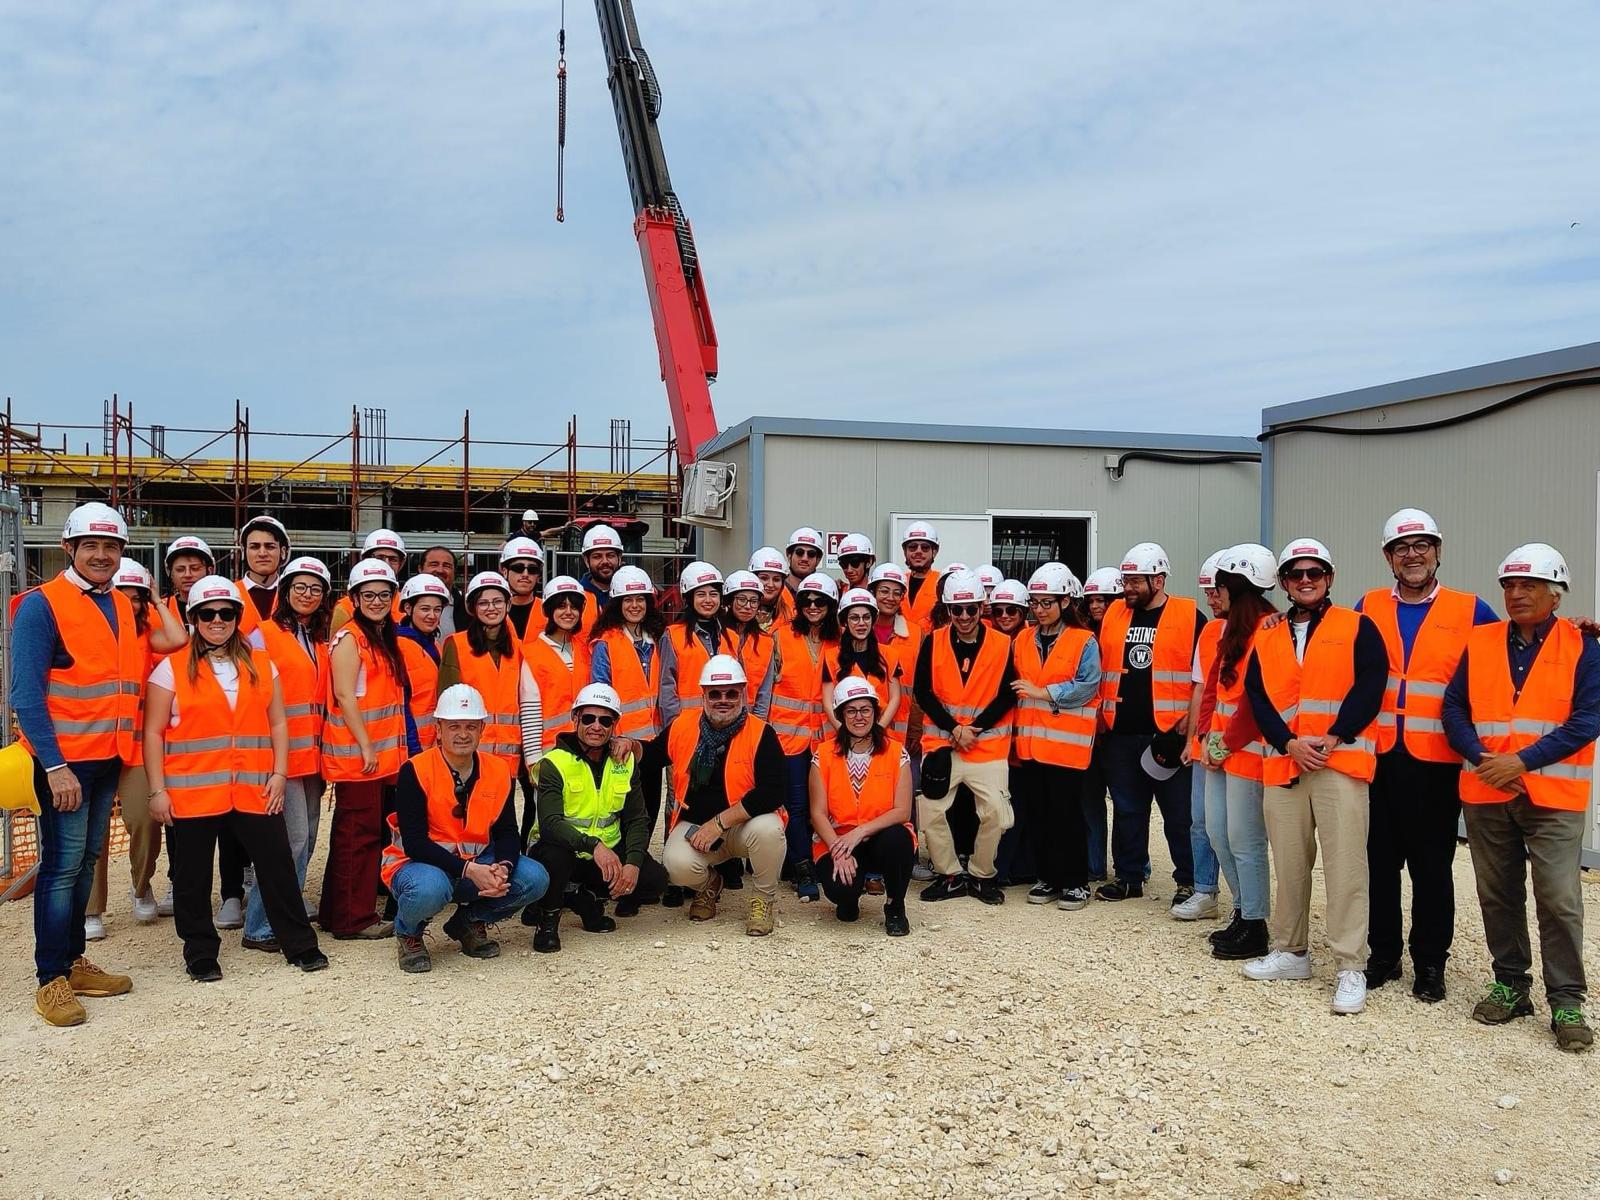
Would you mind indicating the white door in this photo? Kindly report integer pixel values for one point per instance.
(963, 537)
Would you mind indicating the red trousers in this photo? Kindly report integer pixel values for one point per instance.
(350, 880)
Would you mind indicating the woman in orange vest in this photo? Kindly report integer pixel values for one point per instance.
(753, 646)
(692, 640)
(777, 605)
(1203, 901)
(625, 653)
(363, 745)
(859, 653)
(860, 801)
(803, 645)
(423, 600)
(486, 655)
(901, 637)
(555, 667)
(216, 745)
(295, 637)
(1008, 607)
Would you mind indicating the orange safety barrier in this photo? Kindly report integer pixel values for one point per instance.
(25, 843)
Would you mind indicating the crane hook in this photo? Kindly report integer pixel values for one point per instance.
(561, 116)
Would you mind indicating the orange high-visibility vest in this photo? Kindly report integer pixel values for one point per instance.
(738, 766)
(905, 647)
(754, 652)
(94, 703)
(557, 683)
(964, 701)
(1508, 722)
(497, 684)
(381, 715)
(303, 681)
(136, 755)
(796, 713)
(467, 836)
(1308, 694)
(422, 672)
(918, 609)
(218, 756)
(1206, 650)
(1172, 660)
(848, 808)
(1064, 738)
(1249, 761)
(1434, 657)
(690, 654)
(641, 718)
(893, 671)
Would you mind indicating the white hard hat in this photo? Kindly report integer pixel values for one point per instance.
(888, 572)
(857, 598)
(1010, 591)
(531, 514)
(264, 521)
(722, 668)
(1208, 569)
(1104, 581)
(769, 559)
(698, 575)
(370, 570)
(131, 573)
(383, 539)
(601, 537)
(212, 588)
(741, 581)
(598, 695)
(853, 687)
(805, 536)
(1146, 558)
(189, 544)
(487, 579)
(422, 585)
(920, 531)
(1253, 563)
(818, 582)
(521, 547)
(1054, 579)
(1305, 548)
(460, 702)
(94, 520)
(1536, 560)
(962, 587)
(953, 569)
(991, 576)
(564, 585)
(1410, 522)
(306, 565)
(631, 581)
(855, 545)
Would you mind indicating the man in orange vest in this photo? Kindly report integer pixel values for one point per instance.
(918, 548)
(77, 671)
(1147, 651)
(1416, 802)
(1523, 711)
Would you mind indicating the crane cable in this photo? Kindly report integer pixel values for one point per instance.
(561, 115)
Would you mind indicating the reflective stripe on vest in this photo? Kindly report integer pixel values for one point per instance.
(690, 656)
(1063, 737)
(595, 811)
(467, 836)
(1172, 659)
(965, 700)
(303, 681)
(637, 691)
(218, 757)
(796, 712)
(1435, 654)
(382, 716)
(1308, 694)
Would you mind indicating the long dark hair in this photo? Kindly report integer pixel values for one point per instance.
(1247, 605)
(477, 632)
(611, 618)
(843, 738)
(141, 614)
(318, 623)
(828, 627)
(551, 629)
(870, 661)
(381, 636)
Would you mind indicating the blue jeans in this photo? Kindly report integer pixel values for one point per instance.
(1238, 833)
(69, 847)
(1132, 793)
(421, 892)
(797, 799)
(1094, 812)
(302, 813)
(1205, 859)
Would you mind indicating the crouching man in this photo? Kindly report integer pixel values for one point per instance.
(453, 836)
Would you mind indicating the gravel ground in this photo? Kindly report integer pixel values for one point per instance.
(995, 1052)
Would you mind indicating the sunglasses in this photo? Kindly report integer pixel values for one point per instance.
(520, 568)
(805, 552)
(604, 720)
(854, 560)
(722, 693)
(226, 613)
(814, 602)
(964, 610)
(1310, 574)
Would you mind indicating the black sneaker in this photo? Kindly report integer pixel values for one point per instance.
(1217, 936)
(987, 890)
(591, 910)
(895, 923)
(547, 935)
(310, 960)
(1428, 986)
(1043, 893)
(673, 896)
(946, 887)
(1380, 972)
(204, 970)
(1250, 942)
(1119, 889)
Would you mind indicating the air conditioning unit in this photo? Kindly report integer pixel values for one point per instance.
(708, 494)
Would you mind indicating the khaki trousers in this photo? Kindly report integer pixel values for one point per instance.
(144, 838)
(1331, 808)
(989, 783)
(760, 839)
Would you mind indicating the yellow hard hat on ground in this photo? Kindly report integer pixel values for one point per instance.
(16, 779)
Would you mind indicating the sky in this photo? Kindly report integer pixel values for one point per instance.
(1154, 216)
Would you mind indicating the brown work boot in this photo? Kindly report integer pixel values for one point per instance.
(57, 1004)
(1572, 1031)
(760, 921)
(413, 954)
(89, 980)
(473, 935)
(704, 905)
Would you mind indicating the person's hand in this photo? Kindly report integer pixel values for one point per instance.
(627, 879)
(844, 846)
(1587, 626)
(844, 869)
(489, 879)
(1274, 620)
(274, 793)
(607, 862)
(1186, 755)
(161, 807)
(66, 793)
(706, 836)
(1500, 771)
(1308, 753)
(623, 749)
(369, 760)
(962, 738)
(1031, 691)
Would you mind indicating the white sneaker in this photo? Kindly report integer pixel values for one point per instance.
(1201, 904)
(922, 872)
(164, 905)
(1350, 996)
(230, 915)
(1280, 964)
(94, 929)
(145, 908)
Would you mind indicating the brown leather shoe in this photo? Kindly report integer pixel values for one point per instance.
(704, 905)
(57, 1004)
(89, 980)
(761, 919)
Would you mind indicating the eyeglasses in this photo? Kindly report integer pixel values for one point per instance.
(963, 610)
(744, 599)
(1416, 549)
(519, 568)
(722, 693)
(813, 601)
(307, 589)
(225, 613)
(1310, 574)
(604, 720)
(492, 600)
(375, 596)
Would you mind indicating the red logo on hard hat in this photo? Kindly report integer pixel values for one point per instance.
(1130, 566)
(102, 527)
(967, 595)
(722, 677)
(634, 587)
(1410, 527)
(1520, 567)
(384, 542)
(1306, 550)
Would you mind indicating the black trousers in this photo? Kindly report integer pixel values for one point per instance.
(963, 818)
(1415, 809)
(193, 844)
(1016, 860)
(232, 859)
(1057, 830)
(564, 867)
(653, 762)
(889, 852)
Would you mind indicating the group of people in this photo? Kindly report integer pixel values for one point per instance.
(504, 750)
